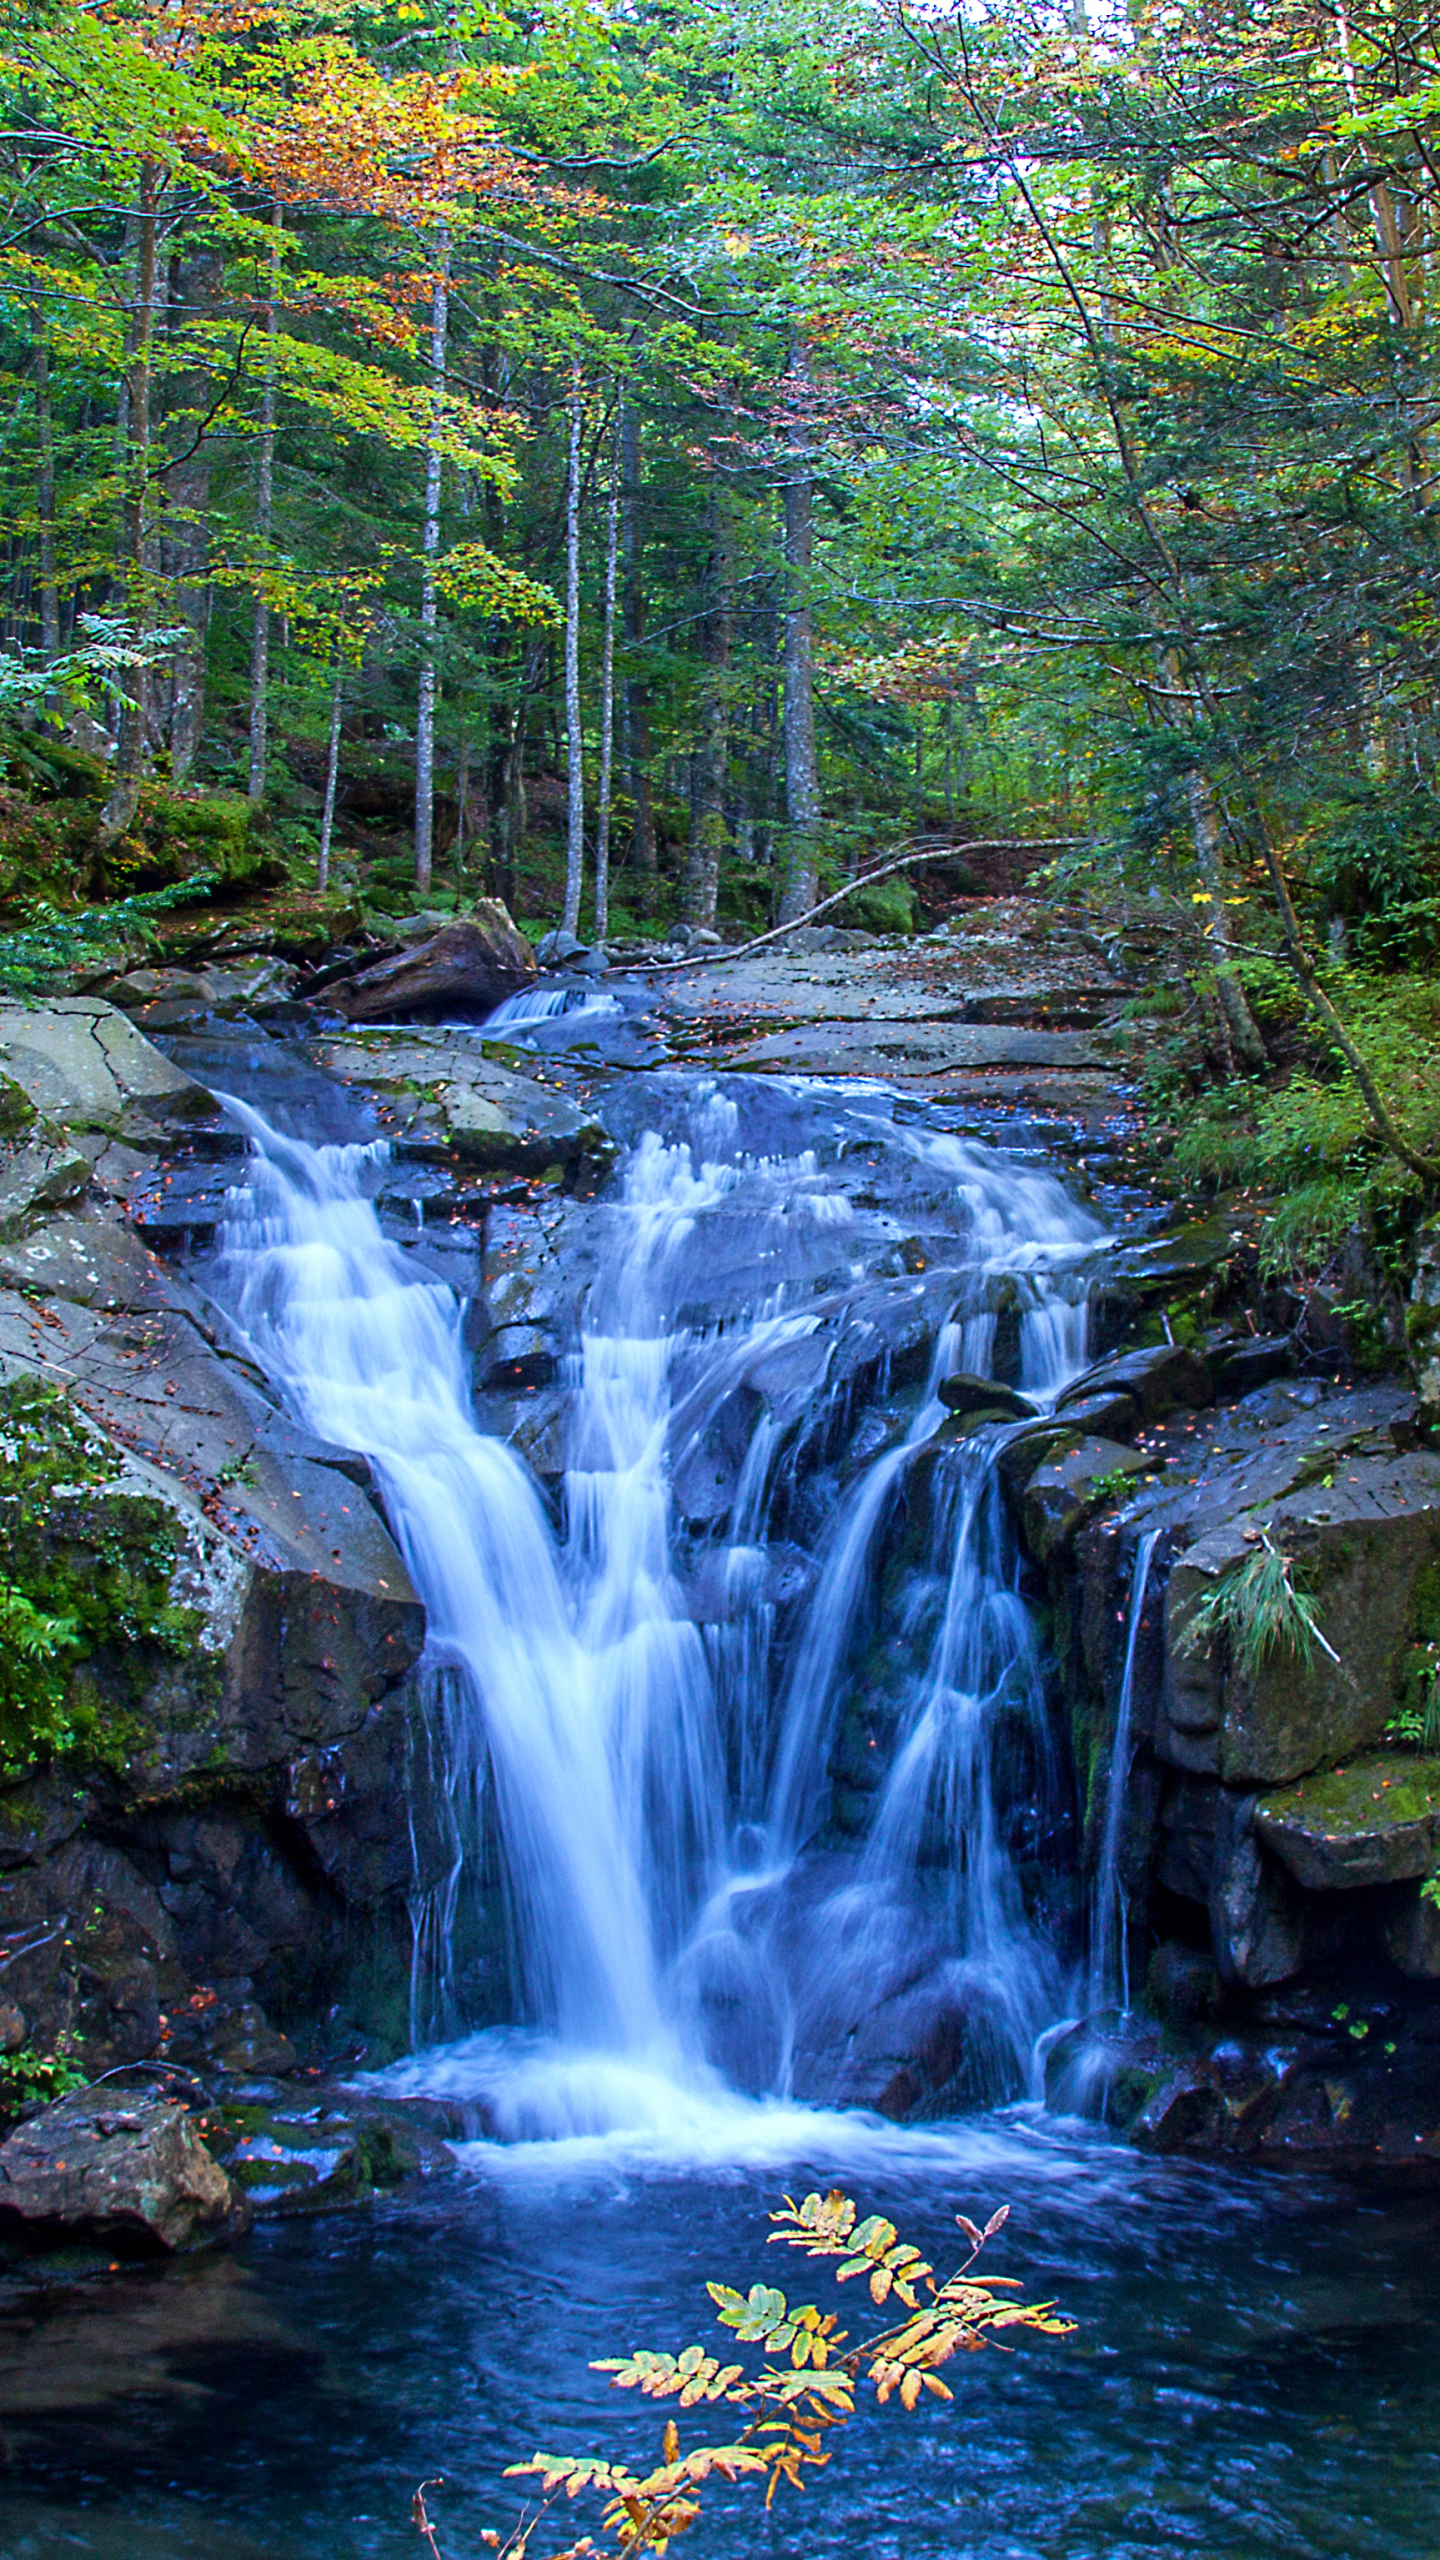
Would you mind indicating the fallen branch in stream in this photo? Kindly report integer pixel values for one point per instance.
(711, 959)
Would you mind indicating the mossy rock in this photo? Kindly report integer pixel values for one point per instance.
(1375, 1821)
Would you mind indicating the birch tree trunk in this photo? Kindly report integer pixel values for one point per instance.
(264, 517)
(707, 839)
(195, 284)
(124, 800)
(607, 696)
(574, 740)
(429, 551)
(802, 782)
(332, 772)
(45, 497)
(635, 724)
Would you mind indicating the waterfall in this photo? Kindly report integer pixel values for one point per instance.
(658, 1797)
(1109, 1977)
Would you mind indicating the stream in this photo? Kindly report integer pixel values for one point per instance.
(746, 1701)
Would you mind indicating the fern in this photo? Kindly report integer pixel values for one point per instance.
(54, 939)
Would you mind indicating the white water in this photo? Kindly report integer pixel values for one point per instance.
(661, 1928)
(1109, 1934)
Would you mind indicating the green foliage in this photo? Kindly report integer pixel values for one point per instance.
(804, 2389)
(30, 2078)
(86, 1614)
(53, 941)
(1257, 1610)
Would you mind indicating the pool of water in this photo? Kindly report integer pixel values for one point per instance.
(1255, 2369)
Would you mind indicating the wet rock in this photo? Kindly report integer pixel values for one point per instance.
(1039, 1444)
(964, 1394)
(1063, 1493)
(289, 2150)
(1160, 1380)
(1376, 1821)
(127, 2169)
(1257, 1913)
(444, 1100)
(1109, 1413)
(465, 970)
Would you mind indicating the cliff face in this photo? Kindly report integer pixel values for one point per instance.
(219, 1847)
(1277, 1819)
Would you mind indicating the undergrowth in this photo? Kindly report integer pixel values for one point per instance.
(1309, 1142)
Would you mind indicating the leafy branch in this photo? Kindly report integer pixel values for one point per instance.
(804, 2389)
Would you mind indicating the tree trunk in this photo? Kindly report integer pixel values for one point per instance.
(429, 610)
(949, 765)
(574, 739)
(124, 800)
(802, 782)
(264, 513)
(194, 282)
(707, 833)
(607, 697)
(636, 726)
(332, 773)
(45, 496)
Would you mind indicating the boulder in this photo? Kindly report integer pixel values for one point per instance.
(1159, 1379)
(1110, 1413)
(1062, 1494)
(1363, 1535)
(557, 946)
(129, 2170)
(83, 1065)
(963, 1393)
(464, 971)
(1376, 1821)
(446, 1101)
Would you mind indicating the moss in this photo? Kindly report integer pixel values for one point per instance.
(1363, 1796)
(96, 1562)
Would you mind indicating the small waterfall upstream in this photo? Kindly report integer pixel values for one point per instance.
(686, 1932)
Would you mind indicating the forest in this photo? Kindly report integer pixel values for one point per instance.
(655, 465)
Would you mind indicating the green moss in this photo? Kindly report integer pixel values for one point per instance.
(1365, 1796)
(87, 1590)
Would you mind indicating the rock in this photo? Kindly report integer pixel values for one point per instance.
(289, 2154)
(963, 1393)
(1158, 1379)
(558, 946)
(1362, 1536)
(82, 1064)
(1183, 2113)
(447, 1102)
(1062, 1494)
(465, 970)
(1036, 1445)
(592, 963)
(1257, 1915)
(129, 2171)
(1181, 1983)
(1110, 1413)
(37, 1179)
(14, 2027)
(1412, 1938)
(1376, 1821)
(1240, 1363)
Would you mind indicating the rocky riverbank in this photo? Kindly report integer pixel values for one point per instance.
(214, 1867)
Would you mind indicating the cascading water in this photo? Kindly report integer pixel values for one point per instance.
(1109, 1983)
(680, 1920)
